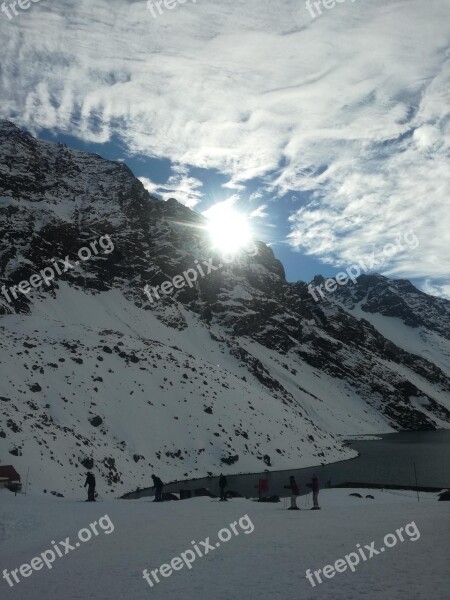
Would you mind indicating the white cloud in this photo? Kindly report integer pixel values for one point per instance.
(256, 195)
(181, 185)
(221, 207)
(436, 289)
(260, 212)
(232, 185)
(150, 186)
(351, 106)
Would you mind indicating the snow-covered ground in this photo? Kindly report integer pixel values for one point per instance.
(174, 402)
(267, 562)
(421, 341)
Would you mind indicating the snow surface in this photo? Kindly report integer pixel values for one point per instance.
(172, 384)
(421, 341)
(178, 376)
(267, 564)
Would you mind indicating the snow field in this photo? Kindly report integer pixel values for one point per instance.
(269, 564)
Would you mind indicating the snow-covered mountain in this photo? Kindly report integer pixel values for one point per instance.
(243, 371)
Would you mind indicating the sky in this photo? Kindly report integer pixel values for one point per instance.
(330, 131)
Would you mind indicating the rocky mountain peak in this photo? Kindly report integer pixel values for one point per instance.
(239, 368)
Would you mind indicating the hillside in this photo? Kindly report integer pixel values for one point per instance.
(241, 371)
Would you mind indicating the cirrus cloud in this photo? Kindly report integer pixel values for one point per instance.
(349, 109)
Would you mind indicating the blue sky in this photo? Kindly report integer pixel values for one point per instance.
(331, 132)
(298, 266)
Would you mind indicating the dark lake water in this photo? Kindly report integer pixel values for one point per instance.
(389, 460)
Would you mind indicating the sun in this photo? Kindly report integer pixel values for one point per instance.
(229, 230)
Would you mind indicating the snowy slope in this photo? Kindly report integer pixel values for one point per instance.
(420, 340)
(163, 406)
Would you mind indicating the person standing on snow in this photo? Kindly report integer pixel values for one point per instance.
(90, 483)
(314, 485)
(158, 485)
(294, 492)
(222, 486)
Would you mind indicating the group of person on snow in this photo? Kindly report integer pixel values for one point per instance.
(159, 485)
(90, 484)
(314, 485)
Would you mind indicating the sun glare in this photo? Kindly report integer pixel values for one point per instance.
(229, 231)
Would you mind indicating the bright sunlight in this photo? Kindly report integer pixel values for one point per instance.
(228, 229)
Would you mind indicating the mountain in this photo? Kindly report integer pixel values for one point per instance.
(236, 371)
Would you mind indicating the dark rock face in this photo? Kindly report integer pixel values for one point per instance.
(87, 462)
(96, 421)
(55, 200)
(378, 294)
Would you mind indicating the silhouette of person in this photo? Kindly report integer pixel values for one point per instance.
(222, 486)
(158, 485)
(294, 492)
(90, 483)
